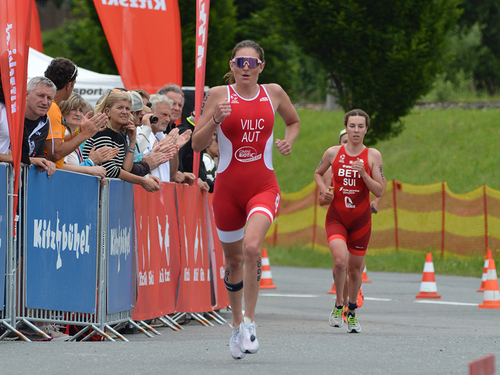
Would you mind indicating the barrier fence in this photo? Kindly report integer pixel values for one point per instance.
(409, 217)
(103, 256)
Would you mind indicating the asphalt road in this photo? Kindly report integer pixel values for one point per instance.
(400, 335)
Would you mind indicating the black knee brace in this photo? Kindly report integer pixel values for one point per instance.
(234, 287)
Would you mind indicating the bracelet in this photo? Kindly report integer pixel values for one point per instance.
(77, 131)
(216, 123)
(131, 150)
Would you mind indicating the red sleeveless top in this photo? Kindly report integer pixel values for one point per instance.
(350, 195)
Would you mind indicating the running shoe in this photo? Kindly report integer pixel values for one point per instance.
(352, 324)
(235, 343)
(361, 298)
(336, 319)
(249, 342)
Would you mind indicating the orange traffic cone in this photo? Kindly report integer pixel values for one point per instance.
(333, 291)
(485, 270)
(491, 299)
(428, 288)
(266, 282)
(364, 276)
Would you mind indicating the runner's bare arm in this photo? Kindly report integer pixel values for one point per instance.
(214, 110)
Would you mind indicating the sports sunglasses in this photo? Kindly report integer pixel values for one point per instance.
(251, 61)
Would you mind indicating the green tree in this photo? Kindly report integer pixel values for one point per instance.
(81, 39)
(486, 15)
(381, 56)
(297, 73)
(221, 34)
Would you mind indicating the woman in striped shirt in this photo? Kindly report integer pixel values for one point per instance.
(116, 105)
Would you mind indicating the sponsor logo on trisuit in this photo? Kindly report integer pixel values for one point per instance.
(348, 202)
(246, 154)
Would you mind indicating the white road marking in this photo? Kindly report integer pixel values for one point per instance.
(369, 299)
(448, 303)
(378, 299)
(290, 295)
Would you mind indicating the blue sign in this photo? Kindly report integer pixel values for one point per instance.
(62, 241)
(120, 245)
(3, 231)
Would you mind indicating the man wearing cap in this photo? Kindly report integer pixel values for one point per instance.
(143, 163)
(63, 73)
(138, 109)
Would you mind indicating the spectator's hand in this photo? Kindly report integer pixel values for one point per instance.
(179, 177)
(154, 159)
(91, 125)
(150, 184)
(103, 154)
(98, 171)
(157, 179)
(44, 165)
(131, 131)
(167, 146)
(173, 135)
(203, 185)
(183, 138)
(104, 181)
(189, 178)
(283, 147)
(145, 119)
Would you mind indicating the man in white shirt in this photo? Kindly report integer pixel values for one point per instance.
(149, 135)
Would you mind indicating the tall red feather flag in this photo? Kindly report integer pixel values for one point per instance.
(145, 39)
(36, 32)
(202, 12)
(14, 49)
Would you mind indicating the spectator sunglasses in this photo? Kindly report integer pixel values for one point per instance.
(252, 62)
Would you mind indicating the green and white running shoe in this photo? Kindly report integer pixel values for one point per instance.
(352, 324)
(336, 319)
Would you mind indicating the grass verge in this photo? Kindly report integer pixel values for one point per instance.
(405, 261)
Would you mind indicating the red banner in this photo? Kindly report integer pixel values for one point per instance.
(202, 12)
(158, 265)
(145, 40)
(36, 32)
(14, 49)
(218, 260)
(194, 284)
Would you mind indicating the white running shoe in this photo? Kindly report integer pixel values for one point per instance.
(353, 325)
(235, 343)
(336, 319)
(249, 342)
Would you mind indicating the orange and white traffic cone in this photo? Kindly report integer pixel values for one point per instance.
(266, 281)
(333, 291)
(428, 288)
(364, 276)
(361, 297)
(491, 299)
(485, 270)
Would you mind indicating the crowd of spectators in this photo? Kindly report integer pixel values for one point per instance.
(130, 135)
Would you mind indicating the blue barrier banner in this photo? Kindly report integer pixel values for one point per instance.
(120, 242)
(62, 242)
(3, 231)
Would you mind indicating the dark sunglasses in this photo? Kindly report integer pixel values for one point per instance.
(251, 61)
